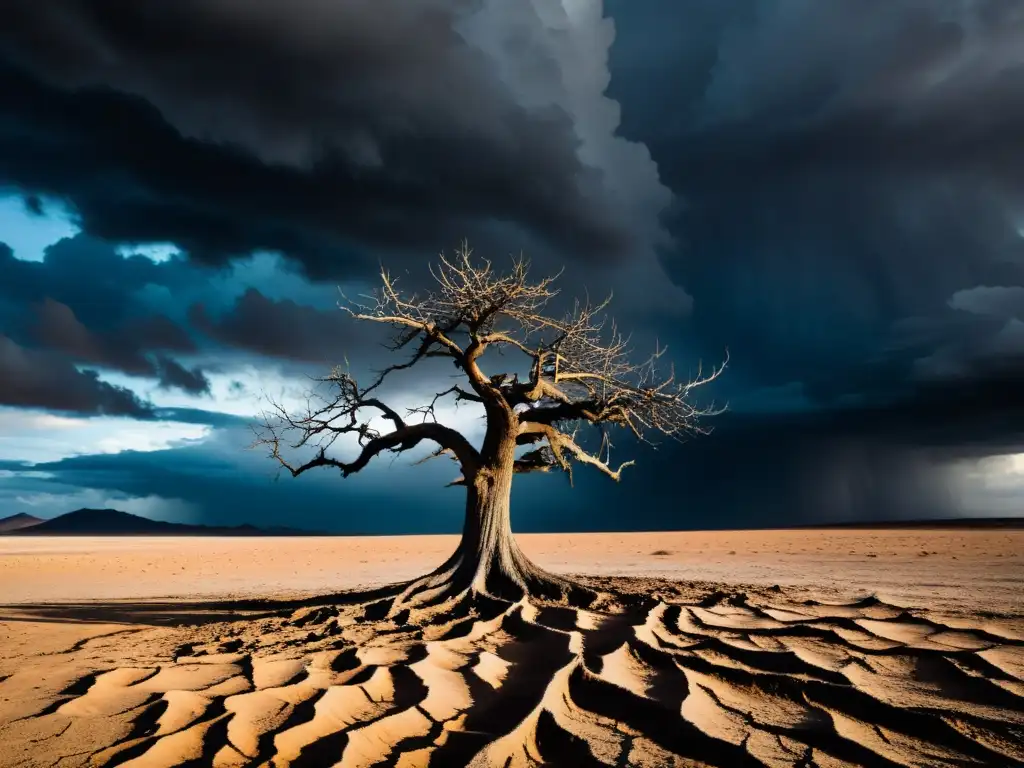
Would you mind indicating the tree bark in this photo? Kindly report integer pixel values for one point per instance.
(487, 562)
(487, 548)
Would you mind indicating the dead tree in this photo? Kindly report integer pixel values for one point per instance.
(580, 374)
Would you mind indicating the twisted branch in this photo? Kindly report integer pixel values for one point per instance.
(582, 371)
(321, 425)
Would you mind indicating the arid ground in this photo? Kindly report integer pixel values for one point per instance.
(764, 648)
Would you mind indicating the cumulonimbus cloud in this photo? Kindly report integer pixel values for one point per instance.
(310, 126)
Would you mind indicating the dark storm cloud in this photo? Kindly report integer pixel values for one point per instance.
(282, 329)
(850, 178)
(80, 303)
(89, 276)
(847, 170)
(173, 374)
(87, 306)
(39, 379)
(905, 86)
(125, 349)
(850, 197)
(229, 126)
(129, 314)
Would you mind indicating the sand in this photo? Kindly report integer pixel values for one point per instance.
(901, 565)
(782, 648)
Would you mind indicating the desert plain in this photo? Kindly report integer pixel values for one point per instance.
(823, 648)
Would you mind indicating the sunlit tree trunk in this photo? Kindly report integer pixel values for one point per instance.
(487, 562)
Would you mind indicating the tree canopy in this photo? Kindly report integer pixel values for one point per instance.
(581, 371)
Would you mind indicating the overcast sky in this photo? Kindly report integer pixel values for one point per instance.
(831, 191)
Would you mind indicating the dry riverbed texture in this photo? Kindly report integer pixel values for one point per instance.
(828, 669)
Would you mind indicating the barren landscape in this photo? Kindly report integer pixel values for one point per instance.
(767, 648)
(278, 275)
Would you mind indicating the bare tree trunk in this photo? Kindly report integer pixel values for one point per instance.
(487, 562)
(487, 548)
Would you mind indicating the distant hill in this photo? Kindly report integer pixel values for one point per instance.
(112, 522)
(20, 520)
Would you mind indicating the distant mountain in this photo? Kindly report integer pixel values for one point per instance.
(20, 520)
(112, 522)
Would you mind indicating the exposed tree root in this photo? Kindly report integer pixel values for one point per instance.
(467, 581)
(710, 677)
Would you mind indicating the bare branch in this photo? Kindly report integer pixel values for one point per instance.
(582, 370)
(401, 439)
(427, 412)
(560, 448)
(325, 419)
